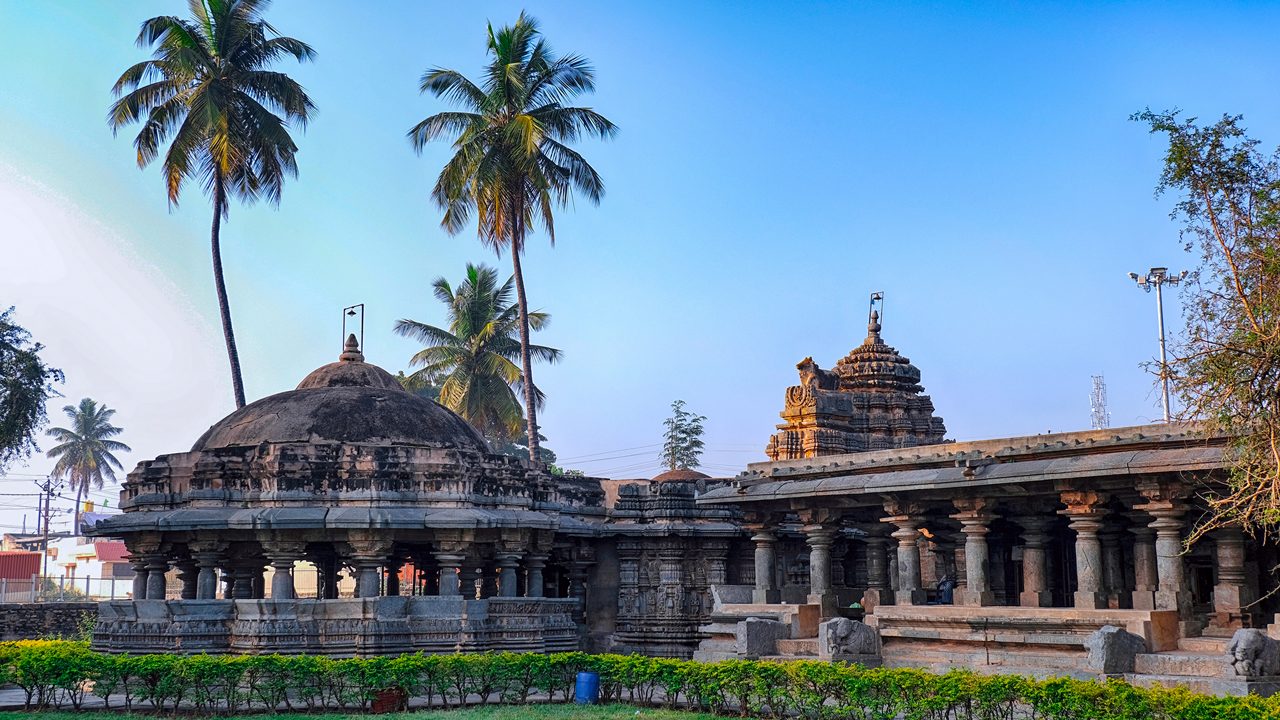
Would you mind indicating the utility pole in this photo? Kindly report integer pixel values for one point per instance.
(1158, 277)
(48, 487)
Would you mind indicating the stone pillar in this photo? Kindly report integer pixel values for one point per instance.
(450, 580)
(188, 575)
(766, 591)
(392, 581)
(368, 554)
(1165, 504)
(1085, 512)
(878, 592)
(975, 521)
(1112, 568)
(139, 565)
(534, 585)
(1232, 594)
(206, 556)
(1035, 578)
(157, 566)
(242, 580)
(819, 538)
(909, 591)
(507, 564)
(1144, 563)
(282, 555)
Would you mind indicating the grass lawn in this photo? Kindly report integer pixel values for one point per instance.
(492, 712)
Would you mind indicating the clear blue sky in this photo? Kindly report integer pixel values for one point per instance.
(776, 163)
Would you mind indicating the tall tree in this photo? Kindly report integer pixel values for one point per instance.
(473, 360)
(85, 450)
(513, 164)
(26, 384)
(1226, 368)
(208, 87)
(682, 442)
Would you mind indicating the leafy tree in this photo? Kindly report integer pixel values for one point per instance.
(26, 384)
(682, 442)
(422, 385)
(473, 361)
(210, 89)
(85, 450)
(512, 163)
(1226, 370)
(518, 447)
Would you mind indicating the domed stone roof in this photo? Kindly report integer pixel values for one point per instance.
(349, 401)
(873, 365)
(680, 475)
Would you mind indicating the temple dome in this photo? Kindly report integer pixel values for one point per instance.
(873, 365)
(680, 475)
(349, 401)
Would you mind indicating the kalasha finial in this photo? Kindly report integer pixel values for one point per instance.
(873, 327)
(351, 350)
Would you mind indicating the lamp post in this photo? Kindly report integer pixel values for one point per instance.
(1158, 277)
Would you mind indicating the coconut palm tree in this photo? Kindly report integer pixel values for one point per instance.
(512, 164)
(208, 87)
(473, 361)
(84, 451)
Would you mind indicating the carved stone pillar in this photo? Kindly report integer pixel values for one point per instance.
(908, 522)
(820, 538)
(1232, 593)
(1085, 512)
(1165, 504)
(766, 591)
(206, 556)
(282, 555)
(878, 592)
(1112, 568)
(368, 555)
(157, 566)
(1035, 585)
(975, 521)
(507, 564)
(1145, 579)
(139, 565)
(534, 586)
(450, 580)
(392, 577)
(188, 576)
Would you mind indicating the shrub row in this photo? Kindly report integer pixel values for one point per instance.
(60, 674)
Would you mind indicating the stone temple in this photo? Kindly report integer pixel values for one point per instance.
(865, 536)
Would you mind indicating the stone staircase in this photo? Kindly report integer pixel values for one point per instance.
(1199, 664)
(796, 649)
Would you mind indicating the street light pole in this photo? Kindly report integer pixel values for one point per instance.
(1157, 277)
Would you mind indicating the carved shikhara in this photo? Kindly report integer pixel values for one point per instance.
(871, 400)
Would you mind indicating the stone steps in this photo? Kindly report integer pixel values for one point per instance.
(1194, 684)
(1204, 645)
(799, 647)
(1181, 664)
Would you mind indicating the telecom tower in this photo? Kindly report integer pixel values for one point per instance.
(1098, 404)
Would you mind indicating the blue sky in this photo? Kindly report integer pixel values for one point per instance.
(776, 163)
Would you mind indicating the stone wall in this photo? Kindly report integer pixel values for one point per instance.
(32, 621)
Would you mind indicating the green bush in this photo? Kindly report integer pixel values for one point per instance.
(59, 674)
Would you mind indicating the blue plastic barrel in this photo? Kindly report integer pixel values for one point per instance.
(587, 691)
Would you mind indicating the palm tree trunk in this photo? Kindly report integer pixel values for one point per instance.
(526, 365)
(224, 307)
(75, 527)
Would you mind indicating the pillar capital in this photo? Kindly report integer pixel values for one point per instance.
(1083, 503)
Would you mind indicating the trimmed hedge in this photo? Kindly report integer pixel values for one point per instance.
(60, 674)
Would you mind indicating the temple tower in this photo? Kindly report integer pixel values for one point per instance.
(871, 400)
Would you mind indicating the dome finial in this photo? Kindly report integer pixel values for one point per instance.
(873, 327)
(351, 350)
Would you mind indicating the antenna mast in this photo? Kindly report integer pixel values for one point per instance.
(1098, 404)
